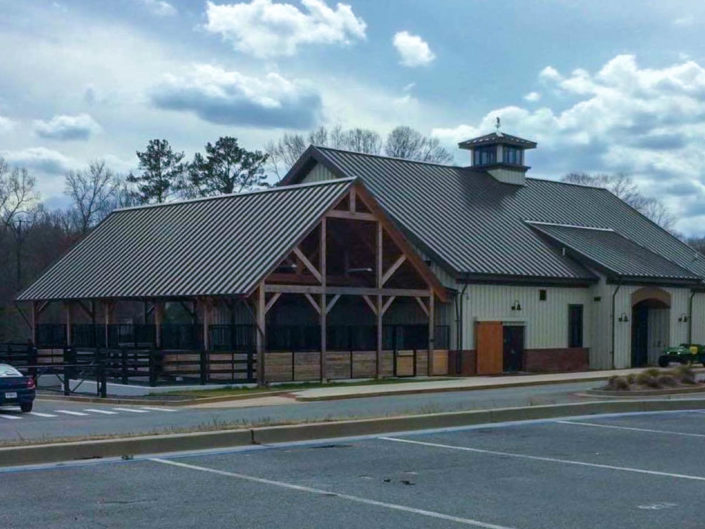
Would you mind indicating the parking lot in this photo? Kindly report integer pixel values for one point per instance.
(628, 471)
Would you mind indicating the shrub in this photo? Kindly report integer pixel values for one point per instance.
(652, 372)
(631, 378)
(684, 374)
(617, 383)
(645, 379)
(666, 381)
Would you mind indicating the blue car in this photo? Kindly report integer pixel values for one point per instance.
(16, 389)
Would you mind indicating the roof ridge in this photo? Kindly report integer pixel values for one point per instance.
(321, 147)
(537, 179)
(576, 226)
(233, 195)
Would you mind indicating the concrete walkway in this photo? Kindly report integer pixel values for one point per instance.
(454, 384)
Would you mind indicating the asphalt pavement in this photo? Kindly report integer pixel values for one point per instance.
(63, 419)
(629, 472)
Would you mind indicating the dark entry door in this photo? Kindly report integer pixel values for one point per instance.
(640, 335)
(513, 348)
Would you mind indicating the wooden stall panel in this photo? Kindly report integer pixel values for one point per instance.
(489, 341)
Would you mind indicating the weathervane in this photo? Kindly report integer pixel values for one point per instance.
(498, 125)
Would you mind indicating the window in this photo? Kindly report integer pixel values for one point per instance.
(485, 155)
(542, 295)
(575, 325)
(511, 155)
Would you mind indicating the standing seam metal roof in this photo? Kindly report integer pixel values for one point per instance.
(475, 225)
(214, 246)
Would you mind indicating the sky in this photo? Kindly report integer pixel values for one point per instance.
(601, 86)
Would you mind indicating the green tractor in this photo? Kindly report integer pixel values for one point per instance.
(685, 354)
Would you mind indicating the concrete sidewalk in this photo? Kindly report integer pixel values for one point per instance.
(454, 384)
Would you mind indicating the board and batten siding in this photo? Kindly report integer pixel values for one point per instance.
(318, 173)
(546, 322)
(698, 318)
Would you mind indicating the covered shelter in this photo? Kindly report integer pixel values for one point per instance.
(298, 282)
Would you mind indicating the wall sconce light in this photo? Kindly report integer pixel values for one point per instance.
(683, 318)
(623, 317)
(517, 305)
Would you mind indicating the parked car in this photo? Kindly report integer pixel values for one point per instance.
(16, 389)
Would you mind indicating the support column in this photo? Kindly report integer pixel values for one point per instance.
(206, 322)
(431, 332)
(379, 298)
(323, 301)
(107, 319)
(35, 322)
(158, 320)
(67, 312)
(260, 312)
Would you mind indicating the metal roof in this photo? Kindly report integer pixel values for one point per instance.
(215, 246)
(610, 251)
(494, 138)
(475, 226)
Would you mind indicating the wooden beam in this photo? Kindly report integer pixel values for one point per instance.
(370, 304)
(388, 303)
(323, 312)
(390, 272)
(422, 305)
(272, 301)
(431, 334)
(261, 313)
(158, 320)
(307, 263)
(85, 309)
(35, 321)
(206, 303)
(378, 269)
(42, 307)
(347, 291)
(313, 303)
(351, 215)
(332, 303)
(69, 337)
(107, 320)
(353, 197)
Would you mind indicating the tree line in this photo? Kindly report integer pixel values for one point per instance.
(33, 236)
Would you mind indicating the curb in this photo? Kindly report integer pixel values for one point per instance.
(56, 452)
(161, 402)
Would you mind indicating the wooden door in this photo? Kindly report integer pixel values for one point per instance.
(489, 341)
(513, 348)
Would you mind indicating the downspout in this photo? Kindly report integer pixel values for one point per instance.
(459, 330)
(690, 317)
(614, 296)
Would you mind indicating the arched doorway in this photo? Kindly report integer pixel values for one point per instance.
(650, 324)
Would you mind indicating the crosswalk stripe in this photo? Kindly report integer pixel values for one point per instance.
(67, 412)
(132, 410)
(104, 412)
(10, 416)
(37, 414)
(156, 409)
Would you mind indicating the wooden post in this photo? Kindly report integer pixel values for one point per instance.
(260, 311)
(379, 298)
(323, 300)
(158, 320)
(67, 310)
(431, 333)
(107, 319)
(206, 322)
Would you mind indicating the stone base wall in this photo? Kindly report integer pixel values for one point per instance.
(557, 360)
(467, 360)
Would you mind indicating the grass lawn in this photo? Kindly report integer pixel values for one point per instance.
(240, 391)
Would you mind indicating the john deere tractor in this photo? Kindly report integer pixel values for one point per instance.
(683, 354)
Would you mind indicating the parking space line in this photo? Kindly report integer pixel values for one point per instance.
(131, 410)
(104, 412)
(10, 417)
(37, 414)
(156, 409)
(68, 412)
(615, 427)
(322, 492)
(544, 458)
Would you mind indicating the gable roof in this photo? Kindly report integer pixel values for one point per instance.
(215, 246)
(475, 226)
(614, 254)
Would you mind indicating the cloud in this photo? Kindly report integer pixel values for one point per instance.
(6, 124)
(265, 29)
(684, 21)
(79, 127)
(160, 7)
(413, 50)
(229, 97)
(648, 122)
(41, 159)
(532, 97)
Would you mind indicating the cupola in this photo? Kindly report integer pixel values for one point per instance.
(500, 155)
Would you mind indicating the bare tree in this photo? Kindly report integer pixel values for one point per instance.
(405, 142)
(623, 186)
(93, 194)
(17, 193)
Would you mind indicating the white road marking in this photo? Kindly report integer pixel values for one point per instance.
(657, 506)
(648, 430)
(104, 412)
(10, 416)
(546, 459)
(67, 412)
(37, 414)
(357, 499)
(156, 409)
(131, 410)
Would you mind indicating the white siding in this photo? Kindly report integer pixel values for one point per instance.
(698, 320)
(318, 174)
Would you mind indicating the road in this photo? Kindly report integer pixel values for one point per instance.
(629, 471)
(66, 419)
